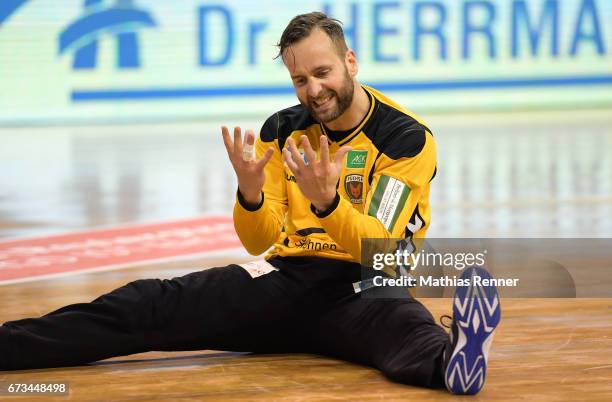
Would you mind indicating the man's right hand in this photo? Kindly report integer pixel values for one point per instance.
(250, 173)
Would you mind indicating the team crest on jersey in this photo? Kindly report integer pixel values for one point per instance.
(353, 184)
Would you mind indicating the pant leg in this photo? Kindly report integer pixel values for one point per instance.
(397, 336)
(219, 308)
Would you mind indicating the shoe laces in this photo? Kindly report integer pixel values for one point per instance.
(446, 321)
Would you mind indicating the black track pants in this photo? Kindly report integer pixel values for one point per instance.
(307, 305)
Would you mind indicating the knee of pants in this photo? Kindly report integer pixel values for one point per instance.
(134, 303)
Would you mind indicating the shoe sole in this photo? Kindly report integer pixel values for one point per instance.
(477, 312)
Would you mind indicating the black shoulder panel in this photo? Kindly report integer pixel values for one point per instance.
(281, 124)
(395, 133)
(269, 130)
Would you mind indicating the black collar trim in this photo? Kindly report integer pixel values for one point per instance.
(346, 135)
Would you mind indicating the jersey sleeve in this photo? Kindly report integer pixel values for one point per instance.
(396, 205)
(259, 227)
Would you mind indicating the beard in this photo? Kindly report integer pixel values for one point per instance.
(343, 99)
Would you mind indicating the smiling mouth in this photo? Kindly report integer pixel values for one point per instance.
(322, 102)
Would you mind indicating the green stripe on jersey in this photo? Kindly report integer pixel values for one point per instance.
(388, 201)
(378, 193)
(400, 206)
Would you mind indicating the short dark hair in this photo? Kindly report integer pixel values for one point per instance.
(302, 25)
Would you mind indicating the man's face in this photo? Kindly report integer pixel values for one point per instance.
(323, 80)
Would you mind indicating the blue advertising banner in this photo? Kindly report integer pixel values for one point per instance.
(122, 60)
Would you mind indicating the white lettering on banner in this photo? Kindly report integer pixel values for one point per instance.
(184, 237)
(30, 257)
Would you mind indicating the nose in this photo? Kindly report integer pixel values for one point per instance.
(314, 88)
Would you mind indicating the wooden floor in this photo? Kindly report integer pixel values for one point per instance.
(555, 180)
(545, 349)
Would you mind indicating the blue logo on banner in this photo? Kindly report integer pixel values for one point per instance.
(8, 8)
(121, 20)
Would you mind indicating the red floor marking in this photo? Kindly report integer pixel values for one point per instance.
(26, 258)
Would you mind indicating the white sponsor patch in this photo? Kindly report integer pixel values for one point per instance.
(389, 202)
(258, 268)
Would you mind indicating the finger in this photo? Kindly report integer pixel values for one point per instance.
(289, 162)
(311, 155)
(261, 163)
(248, 152)
(324, 149)
(237, 141)
(249, 137)
(339, 157)
(295, 154)
(229, 145)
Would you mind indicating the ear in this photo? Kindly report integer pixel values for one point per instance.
(350, 59)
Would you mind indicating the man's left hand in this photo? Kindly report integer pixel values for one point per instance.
(318, 179)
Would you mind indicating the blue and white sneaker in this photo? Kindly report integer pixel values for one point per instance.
(476, 314)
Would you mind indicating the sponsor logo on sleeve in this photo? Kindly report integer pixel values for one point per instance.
(388, 201)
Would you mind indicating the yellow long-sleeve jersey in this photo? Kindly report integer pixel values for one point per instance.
(383, 190)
